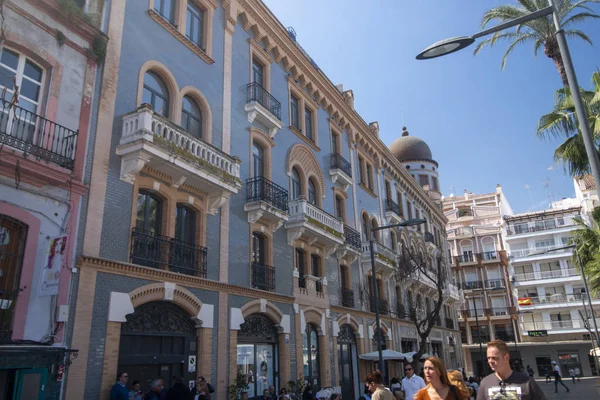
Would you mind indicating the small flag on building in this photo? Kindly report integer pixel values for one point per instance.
(525, 301)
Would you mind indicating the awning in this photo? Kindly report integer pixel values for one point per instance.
(387, 355)
(412, 354)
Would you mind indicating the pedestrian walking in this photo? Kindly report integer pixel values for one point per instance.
(119, 389)
(558, 378)
(155, 389)
(411, 383)
(438, 385)
(578, 373)
(529, 371)
(504, 383)
(375, 383)
(547, 373)
(136, 393)
(572, 374)
(202, 392)
(456, 379)
(179, 390)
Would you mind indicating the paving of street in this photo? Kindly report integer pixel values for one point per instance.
(585, 389)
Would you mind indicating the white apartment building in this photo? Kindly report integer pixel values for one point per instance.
(549, 288)
(480, 269)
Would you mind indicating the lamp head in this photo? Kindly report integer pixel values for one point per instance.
(446, 46)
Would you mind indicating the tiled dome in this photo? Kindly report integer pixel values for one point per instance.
(407, 148)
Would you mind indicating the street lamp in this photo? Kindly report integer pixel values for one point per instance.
(410, 222)
(449, 46)
(585, 284)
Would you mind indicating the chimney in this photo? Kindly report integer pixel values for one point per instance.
(348, 96)
(404, 131)
(374, 126)
(466, 195)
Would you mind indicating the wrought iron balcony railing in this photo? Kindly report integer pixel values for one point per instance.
(473, 285)
(339, 162)
(499, 311)
(262, 189)
(449, 323)
(465, 258)
(352, 237)
(263, 277)
(257, 93)
(401, 311)
(391, 205)
(384, 308)
(347, 298)
(495, 284)
(489, 255)
(163, 252)
(33, 134)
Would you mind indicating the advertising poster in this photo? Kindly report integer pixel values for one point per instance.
(53, 266)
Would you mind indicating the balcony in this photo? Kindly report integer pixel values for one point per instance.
(552, 300)
(266, 201)
(37, 136)
(384, 308)
(340, 170)
(539, 252)
(473, 285)
(538, 226)
(500, 311)
(505, 336)
(315, 225)
(150, 140)
(392, 212)
(347, 298)
(541, 275)
(465, 258)
(489, 256)
(452, 291)
(263, 277)
(401, 311)
(470, 313)
(385, 259)
(556, 326)
(352, 245)
(460, 233)
(262, 106)
(495, 284)
(163, 252)
(449, 323)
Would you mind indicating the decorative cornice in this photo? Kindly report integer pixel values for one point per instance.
(136, 271)
(320, 87)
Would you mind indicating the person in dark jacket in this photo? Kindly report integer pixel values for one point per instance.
(119, 390)
(179, 390)
(156, 388)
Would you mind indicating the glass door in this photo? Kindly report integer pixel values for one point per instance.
(30, 384)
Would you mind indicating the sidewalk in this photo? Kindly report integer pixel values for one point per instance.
(585, 389)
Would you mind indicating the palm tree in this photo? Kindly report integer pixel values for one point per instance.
(562, 122)
(587, 240)
(540, 31)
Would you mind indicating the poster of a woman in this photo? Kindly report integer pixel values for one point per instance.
(53, 266)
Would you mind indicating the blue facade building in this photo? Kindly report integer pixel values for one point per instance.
(232, 194)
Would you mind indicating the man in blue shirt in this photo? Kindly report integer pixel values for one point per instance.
(119, 390)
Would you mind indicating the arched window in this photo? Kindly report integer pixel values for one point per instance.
(365, 228)
(466, 249)
(149, 213)
(185, 224)
(312, 192)
(258, 160)
(296, 184)
(191, 117)
(376, 233)
(310, 350)
(156, 94)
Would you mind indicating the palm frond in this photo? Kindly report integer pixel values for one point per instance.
(514, 44)
(495, 37)
(578, 34)
(580, 17)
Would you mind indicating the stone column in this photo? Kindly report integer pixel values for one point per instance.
(204, 352)
(284, 360)
(324, 361)
(111, 358)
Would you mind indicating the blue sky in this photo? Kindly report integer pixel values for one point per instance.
(479, 121)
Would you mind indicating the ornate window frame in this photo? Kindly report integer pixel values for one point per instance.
(304, 102)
